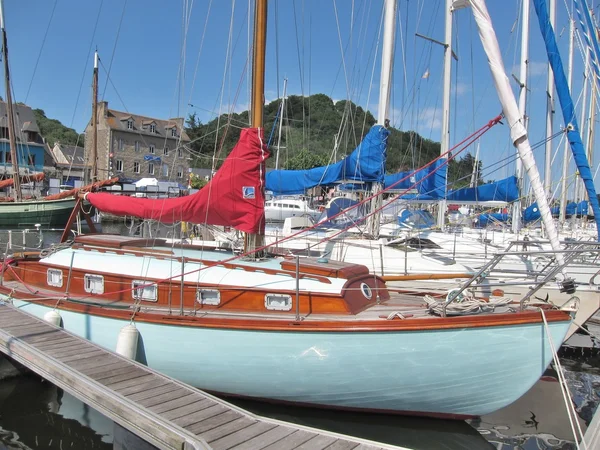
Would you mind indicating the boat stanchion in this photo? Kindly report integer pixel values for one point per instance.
(53, 317)
(127, 341)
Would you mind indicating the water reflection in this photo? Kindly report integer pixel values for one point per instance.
(36, 414)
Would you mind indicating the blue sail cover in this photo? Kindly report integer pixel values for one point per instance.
(365, 164)
(568, 109)
(532, 212)
(505, 190)
(430, 182)
(485, 219)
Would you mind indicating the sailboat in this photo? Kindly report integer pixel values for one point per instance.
(21, 211)
(293, 330)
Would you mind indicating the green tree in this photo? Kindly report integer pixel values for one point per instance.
(54, 131)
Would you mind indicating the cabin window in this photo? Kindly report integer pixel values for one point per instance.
(366, 291)
(94, 284)
(136, 167)
(151, 149)
(130, 124)
(55, 277)
(143, 290)
(278, 302)
(150, 168)
(208, 296)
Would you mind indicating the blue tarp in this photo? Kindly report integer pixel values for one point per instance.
(505, 190)
(365, 164)
(429, 182)
(484, 219)
(566, 103)
(532, 212)
(354, 215)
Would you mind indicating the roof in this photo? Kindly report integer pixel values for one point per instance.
(117, 120)
(75, 155)
(25, 119)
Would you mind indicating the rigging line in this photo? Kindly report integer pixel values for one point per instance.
(300, 72)
(200, 50)
(276, 45)
(37, 61)
(115, 46)
(85, 65)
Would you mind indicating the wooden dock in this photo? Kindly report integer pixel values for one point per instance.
(160, 410)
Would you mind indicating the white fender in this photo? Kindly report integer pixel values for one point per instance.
(53, 317)
(127, 341)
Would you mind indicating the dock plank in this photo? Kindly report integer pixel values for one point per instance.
(318, 442)
(228, 428)
(125, 373)
(66, 341)
(342, 445)
(90, 354)
(241, 436)
(292, 441)
(144, 386)
(143, 378)
(188, 410)
(176, 403)
(265, 439)
(211, 422)
(163, 397)
(100, 361)
(166, 388)
(202, 415)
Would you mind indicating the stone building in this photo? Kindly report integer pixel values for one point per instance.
(132, 147)
(70, 163)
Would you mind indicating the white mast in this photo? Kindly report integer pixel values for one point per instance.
(549, 113)
(513, 117)
(385, 85)
(280, 123)
(584, 123)
(516, 210)
(563, 194)
(445, 141)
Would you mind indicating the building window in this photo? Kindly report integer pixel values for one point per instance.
(151, 168)
(119, 165)
(143, 290)
(165, 170)
(94, 284)
(174, 132)
(55, 277)
(151, 149)
(130, 124)
(166, 151)
(120, 144)
(152, 128)
(180, 152)
(136, 167)
(179, 172)
(137, 146)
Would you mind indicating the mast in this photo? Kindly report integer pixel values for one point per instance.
(516, 212)
(584, 122)
(383, 109)
(94, 171)
(445, 141)
(563, 194)
(549, 114)
(9, 111)
(253, 241)
(280, 123)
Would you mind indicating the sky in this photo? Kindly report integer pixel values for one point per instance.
(169, 59)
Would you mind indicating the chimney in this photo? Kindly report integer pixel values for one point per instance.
(103, 109)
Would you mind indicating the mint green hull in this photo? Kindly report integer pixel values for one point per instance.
(51, 213)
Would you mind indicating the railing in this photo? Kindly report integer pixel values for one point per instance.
(19, 240)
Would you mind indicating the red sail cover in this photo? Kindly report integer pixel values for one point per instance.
(234, 197)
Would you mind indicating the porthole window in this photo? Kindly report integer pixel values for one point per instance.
(94, 284)
(143, 290)
(55, 277)
(366, 290)
(278, 302)
(208, 296)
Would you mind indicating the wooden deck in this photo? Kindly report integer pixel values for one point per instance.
(162, 411)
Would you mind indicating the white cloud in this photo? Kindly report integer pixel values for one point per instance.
(430, 118)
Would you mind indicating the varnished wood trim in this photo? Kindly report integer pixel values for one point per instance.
(272, 324)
